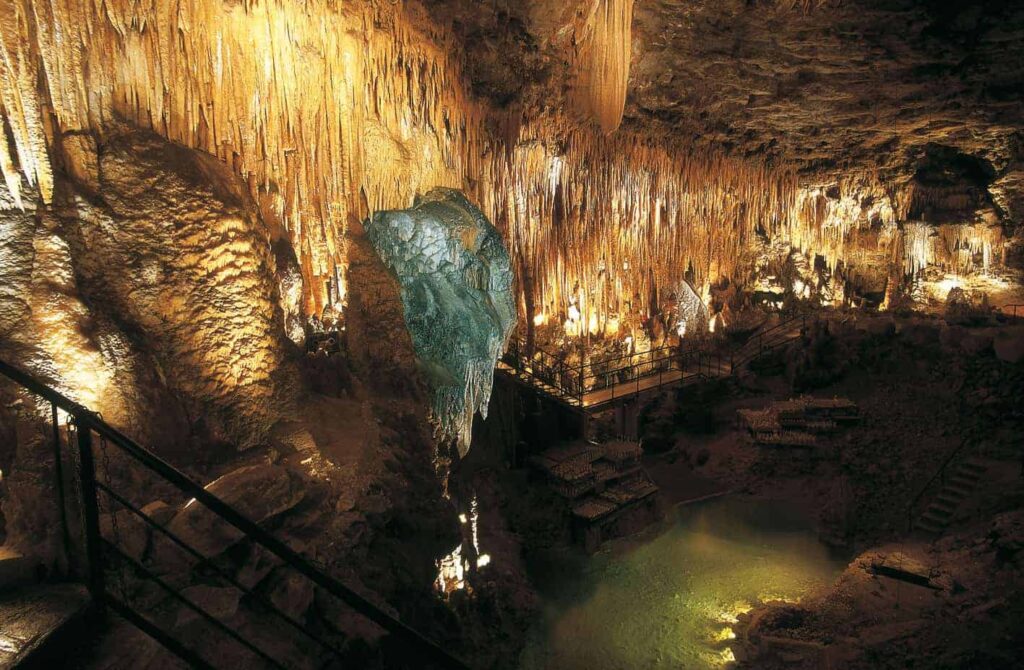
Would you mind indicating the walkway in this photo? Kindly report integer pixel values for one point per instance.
(617, 379)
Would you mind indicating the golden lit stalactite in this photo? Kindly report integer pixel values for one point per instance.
(605, 224)
(19, 99)
(333, 110)
(286, 94)
(603, 54)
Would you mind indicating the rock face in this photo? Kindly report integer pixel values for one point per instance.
(457, 291)
(852, 83)
(173, 248)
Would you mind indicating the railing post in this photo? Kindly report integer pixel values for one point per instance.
(582, 363)
(90, 509)
(58, 466)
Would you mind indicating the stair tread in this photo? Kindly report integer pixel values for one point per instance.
(928, 516)
(31, 615)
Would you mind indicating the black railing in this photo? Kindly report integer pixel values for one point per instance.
(768, 339)
(103, 553)
(627, 375)
(581, 384)
(939, 477)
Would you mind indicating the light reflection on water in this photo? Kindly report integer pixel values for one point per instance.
(667, 601)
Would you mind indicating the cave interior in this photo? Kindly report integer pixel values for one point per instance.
(512, 334)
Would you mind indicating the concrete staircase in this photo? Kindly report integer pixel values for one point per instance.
(36, 620)
(963, 480)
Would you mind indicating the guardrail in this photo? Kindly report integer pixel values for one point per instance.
(103, 552)
(630, 374)
(939, 477)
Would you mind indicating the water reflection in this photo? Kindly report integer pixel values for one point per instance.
(667, 601)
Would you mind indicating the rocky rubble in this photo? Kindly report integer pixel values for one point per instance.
(964, 617)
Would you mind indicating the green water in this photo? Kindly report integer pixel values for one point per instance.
(666, 601)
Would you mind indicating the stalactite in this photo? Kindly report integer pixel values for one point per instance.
(332, 111)
(603, 57)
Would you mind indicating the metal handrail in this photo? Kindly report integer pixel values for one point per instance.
(184, 546)
(570, 383)
(169, 590)
(939, 473)
(87, 422)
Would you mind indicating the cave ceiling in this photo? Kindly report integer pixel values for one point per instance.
(828, 86)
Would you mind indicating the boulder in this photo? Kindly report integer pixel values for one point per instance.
(1009, 344)
(256, 565)
(880, 325)
(159, 511)
(257, 491)
(976, 342)
(290, 591)
(130, 534)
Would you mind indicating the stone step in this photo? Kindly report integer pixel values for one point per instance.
(967, 475)
(943, 506)
(933, 519)
(929, 527)
(975, 466)
(950, 497)
(962, 489)
(37, 623)
(967, 486)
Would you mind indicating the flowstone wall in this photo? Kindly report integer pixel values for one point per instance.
(456, 284)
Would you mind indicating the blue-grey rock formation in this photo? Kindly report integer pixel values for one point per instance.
(456, 285)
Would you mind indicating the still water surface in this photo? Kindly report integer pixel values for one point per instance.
(666, 600)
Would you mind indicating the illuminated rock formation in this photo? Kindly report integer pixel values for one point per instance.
(174, 249)
(457, 292)
(605, 46)
(331, 111)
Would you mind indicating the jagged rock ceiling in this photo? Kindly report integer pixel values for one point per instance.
(828, 85)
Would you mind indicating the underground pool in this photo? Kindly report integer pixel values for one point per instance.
(667, 599)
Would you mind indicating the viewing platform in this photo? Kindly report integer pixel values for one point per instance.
(597, 385)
